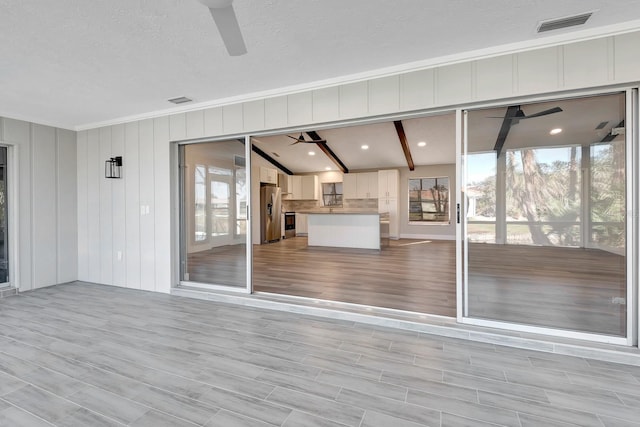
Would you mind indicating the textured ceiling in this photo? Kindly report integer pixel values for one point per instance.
(74, 62)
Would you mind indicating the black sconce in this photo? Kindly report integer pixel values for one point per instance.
(113, 167)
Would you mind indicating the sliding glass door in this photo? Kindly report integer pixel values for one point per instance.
(214, 197)
(545, 202)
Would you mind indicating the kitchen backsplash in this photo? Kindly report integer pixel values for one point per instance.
(301, 205)
(360, 204)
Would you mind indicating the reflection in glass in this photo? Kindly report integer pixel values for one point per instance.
(218, 222)
(545, 215)
(543, 196)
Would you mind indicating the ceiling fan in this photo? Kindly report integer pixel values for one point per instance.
(520, 115)
(301, 139)
(227, 23)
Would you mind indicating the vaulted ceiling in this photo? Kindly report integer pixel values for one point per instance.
(71, 63)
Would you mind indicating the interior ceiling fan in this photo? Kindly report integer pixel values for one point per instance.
(300, 139)
(515, 114)
(227, 23)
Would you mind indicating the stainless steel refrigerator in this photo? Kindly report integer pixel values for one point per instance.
(270, 207)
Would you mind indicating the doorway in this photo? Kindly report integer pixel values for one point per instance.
(404, 171)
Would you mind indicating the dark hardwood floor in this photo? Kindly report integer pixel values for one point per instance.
(568, 288)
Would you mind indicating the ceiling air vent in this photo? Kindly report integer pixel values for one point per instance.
(570, 21)
(180, 100)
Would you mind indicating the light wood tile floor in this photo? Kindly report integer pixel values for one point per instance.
(90, 355)
(567, 288)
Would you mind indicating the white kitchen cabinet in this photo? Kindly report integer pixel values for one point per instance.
(301, 224)
(268, 175)
(388, 187)
(350, 186)
(284, 182)
(302, 187)
(310, 187)
(392, 207)
(296, 187)
(388, 181)
(360, 185)
(367, 185)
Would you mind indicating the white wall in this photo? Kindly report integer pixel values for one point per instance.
(124, 229)
(145, 239)
(44, 161)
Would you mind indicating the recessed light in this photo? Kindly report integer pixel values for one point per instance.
(422, 144)
(555, 131)
(312, 153)
(364, 147)
(328, 168)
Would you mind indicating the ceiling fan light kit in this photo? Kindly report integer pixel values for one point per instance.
(225, 18)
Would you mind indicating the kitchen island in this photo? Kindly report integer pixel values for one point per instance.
(346, 228)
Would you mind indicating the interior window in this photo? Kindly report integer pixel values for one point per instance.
(429, 200)
(332, 193)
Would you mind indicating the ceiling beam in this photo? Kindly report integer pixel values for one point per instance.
(328, 151)
(505, 128)
(610, 137)
(405, 145)
(268, 158)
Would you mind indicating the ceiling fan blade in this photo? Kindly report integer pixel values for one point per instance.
(227, 23)
(292, 137)
(544, 113)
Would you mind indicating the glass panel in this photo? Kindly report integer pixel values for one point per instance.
(545, 222)
(218, 222)
(4, 244)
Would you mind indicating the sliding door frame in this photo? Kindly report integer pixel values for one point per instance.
(179, 223)
(461, 132)
(631, 250)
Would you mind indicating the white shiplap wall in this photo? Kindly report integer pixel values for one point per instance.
(44, 164)
(141, 229)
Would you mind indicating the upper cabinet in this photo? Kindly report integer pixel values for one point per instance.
(388, 182)
(299, 187)
(268, 175)
(309, 187)
(360, 185)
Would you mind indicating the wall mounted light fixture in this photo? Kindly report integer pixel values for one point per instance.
(113, 167)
